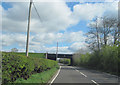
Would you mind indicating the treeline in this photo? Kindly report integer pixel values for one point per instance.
(105, 60)
(103, 31)
(103, 41)
(18, 66)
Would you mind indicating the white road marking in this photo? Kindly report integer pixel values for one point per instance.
(55, 76)
(94, 82)
(76, 70)
(83, 74)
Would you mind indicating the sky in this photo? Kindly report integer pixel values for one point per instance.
(60, 21)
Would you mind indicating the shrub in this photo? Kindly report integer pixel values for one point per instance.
(107, 59)
(65, 61)
(16, 66)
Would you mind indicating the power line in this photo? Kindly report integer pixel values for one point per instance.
(37, 11)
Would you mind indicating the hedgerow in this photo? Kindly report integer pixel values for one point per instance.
(17, 66)
(107, 59)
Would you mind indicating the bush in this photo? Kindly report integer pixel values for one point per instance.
(65, 61)
(16, 66)
(106, 59)
(109, 58)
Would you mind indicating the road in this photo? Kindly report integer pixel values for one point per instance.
(78, 75)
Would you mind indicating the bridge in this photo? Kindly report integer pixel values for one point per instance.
(53, 56)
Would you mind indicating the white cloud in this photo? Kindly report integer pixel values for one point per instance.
(50, 38)
(60, 50)
(38, 42)
(55, 16)
(93, 24)
(111, 0)
(1, 16)
(13, 26)
(83, 1)
(88, 11)
(11, 39)
(75, 37)
(77, 46)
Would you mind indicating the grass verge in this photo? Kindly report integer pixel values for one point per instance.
(39, 78)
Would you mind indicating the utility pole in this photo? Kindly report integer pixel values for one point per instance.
(46, 54)
(28, 30)
(57, 51)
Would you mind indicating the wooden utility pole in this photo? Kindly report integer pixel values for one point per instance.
(57, 51)
(28, 30)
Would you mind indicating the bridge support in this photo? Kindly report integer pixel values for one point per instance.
(46, 55)
(71, 61)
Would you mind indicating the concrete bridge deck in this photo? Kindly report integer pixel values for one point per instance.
(53, 56)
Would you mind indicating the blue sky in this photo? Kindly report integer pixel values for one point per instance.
(6, 5)
(71, 4)
(65, 22)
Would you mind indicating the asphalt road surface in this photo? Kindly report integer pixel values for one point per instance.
(78, 75)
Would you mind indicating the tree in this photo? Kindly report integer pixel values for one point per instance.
(94, 35)
(115, 31)
(101, 30)
(108, 23)
(14, 50)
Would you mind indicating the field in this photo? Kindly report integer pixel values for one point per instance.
(34, 55)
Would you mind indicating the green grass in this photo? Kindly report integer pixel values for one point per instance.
(38, 55)
(43, 77)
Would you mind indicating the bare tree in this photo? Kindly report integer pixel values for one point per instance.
(14, 50)
(118, 32)
(115, 30)
(94, 35)
(108, 24)
(101, 30)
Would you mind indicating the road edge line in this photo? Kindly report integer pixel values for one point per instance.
(53, 79)
(83, 74)
(95, 82)
(76, 70)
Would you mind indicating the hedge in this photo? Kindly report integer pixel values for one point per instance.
(17, 66)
